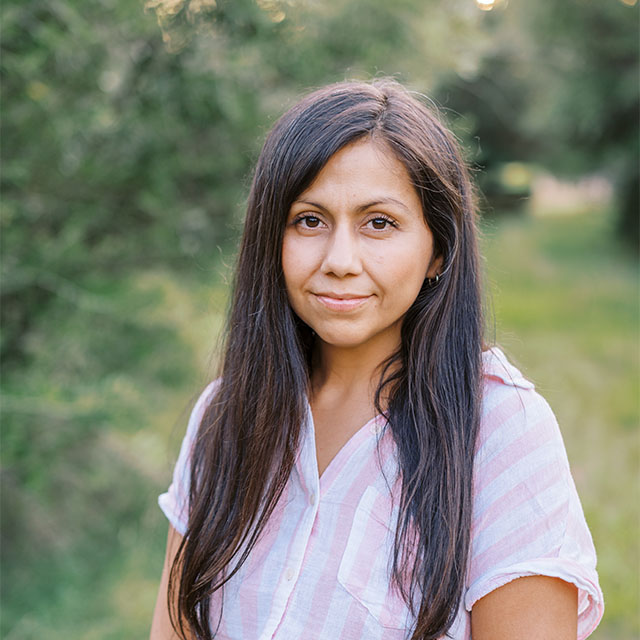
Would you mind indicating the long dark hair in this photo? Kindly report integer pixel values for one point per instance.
(249, 436)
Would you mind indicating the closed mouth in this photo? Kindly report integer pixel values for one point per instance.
(341, 302)
(341, 296)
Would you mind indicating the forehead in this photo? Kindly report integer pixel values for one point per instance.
(363, 166)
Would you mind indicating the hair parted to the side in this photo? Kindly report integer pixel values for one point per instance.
(249, 436)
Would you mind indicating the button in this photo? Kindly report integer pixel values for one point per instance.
(312, 499)
(289, 574)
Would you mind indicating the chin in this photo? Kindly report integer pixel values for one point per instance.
(341, 339)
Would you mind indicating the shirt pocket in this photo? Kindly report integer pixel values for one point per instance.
(365, 568)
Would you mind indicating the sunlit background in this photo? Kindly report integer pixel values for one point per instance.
(128, 136)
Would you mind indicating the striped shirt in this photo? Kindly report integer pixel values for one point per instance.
(320, 570)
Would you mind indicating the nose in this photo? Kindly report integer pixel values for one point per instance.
(342, 253)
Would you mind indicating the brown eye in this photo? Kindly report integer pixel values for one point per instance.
(311, 221)
(379, 224)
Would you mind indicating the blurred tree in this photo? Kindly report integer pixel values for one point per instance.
(125, 146)
(588, 78)
(561, 88)
(104, 143)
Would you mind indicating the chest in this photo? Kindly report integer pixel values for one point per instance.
(334, 426)
(321, 568)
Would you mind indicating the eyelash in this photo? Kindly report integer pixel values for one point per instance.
(387, 219)
(305, 216)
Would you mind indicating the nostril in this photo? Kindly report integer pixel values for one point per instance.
(342, 256)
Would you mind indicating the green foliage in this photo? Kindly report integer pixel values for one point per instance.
(560, 88)
(110, 154)
(123, 153)
(87, 432)
(588, 65)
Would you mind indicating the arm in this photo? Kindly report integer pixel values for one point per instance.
(531, 607)
(173, 503)
(161, 628)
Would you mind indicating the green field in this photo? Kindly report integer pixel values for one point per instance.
(93, 425)
(565, 300)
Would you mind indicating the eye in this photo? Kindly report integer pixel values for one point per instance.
(311, 221)
(381, 223)
(307, 222)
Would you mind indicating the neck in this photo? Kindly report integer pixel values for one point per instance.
(351, 369)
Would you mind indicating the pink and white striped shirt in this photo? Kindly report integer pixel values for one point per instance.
(320, 569)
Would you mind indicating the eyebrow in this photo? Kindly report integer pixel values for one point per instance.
(362, 207)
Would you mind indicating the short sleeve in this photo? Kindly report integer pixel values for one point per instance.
(527, 516)
(174, 501)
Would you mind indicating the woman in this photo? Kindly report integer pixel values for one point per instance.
(362, 468)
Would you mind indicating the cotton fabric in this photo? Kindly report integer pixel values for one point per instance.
(321, 568)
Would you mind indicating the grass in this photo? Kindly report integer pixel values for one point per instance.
(92, 429)
(566, 308)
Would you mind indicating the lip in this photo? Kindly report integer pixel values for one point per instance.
(341, 301)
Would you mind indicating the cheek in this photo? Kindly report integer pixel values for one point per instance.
(406, 266)
(290, 266)
(296, 263)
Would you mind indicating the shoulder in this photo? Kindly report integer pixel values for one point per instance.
(520, 453)
(200, 407)
(513, 414)
(204, 400)
(174, 501)
(527, 517)
(496, 367)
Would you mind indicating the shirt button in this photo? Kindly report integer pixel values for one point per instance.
(289, 574)
(376, 428)
(312, 499)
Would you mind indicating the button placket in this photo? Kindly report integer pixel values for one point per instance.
(289, 576)
(309, 488)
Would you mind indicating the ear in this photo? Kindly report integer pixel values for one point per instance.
(435, 267)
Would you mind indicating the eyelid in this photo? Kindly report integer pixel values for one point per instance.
(300, 217)
(382, 216)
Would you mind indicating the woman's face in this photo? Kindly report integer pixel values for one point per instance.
(356, 248)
